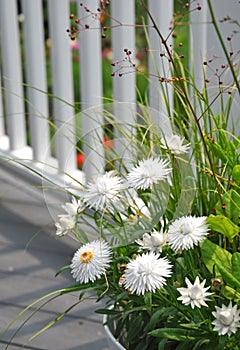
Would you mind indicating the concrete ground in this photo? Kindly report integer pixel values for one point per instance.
(30, 255)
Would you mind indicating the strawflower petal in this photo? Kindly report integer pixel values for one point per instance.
(147, 273)
(186, 232)
(148, 172)
(104, 192)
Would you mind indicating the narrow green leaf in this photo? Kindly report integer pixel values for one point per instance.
(63, 268)
(162, 343)
(201, 342)
(107, 311)
(158, 316)
(175, 334)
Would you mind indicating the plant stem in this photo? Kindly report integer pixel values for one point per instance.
(214, 22)
(185, 95)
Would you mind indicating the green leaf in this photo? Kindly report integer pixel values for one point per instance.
(213, 254)
(148, 300)
(223, 225)
(230, 293)
(158, 316)
(219, 151)
(227, 276)
(63, 268)
(201, 342)
(162, 343)
(175, 334)
(236, 174)
(107, 311)
(231, 200)
(236, 265)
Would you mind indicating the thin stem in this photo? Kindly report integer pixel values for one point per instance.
(185, 95)
(214, 22)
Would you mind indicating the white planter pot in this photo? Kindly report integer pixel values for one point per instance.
(113, 343)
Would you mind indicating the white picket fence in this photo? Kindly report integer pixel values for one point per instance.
(23, 49)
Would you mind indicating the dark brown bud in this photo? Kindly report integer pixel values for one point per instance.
(216, 284)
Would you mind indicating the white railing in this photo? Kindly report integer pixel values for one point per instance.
(23, 50)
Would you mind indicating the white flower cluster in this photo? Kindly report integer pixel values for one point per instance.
(107, 191)
(148, 271)
(182, 234)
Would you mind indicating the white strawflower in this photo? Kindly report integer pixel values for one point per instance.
(195, 294)
(175, 144)
(67, 222)
(146, 273)
(91, 261)
(153, 242)
(187, 231)
(148, 172)
(227, 319)
(65, 225)
(104, 192)
(74, 207)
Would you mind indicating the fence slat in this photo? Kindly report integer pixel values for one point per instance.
(62, 81)
(91, 119)
(221, 10)
(35, 65)
(12, 74)
(2, 126)
(91, 88)
(198, 43)
(207, 47)
(124, 86)
(160, 95)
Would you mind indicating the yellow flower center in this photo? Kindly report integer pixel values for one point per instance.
(86, 257)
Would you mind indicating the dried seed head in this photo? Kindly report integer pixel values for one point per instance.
(216, 284)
